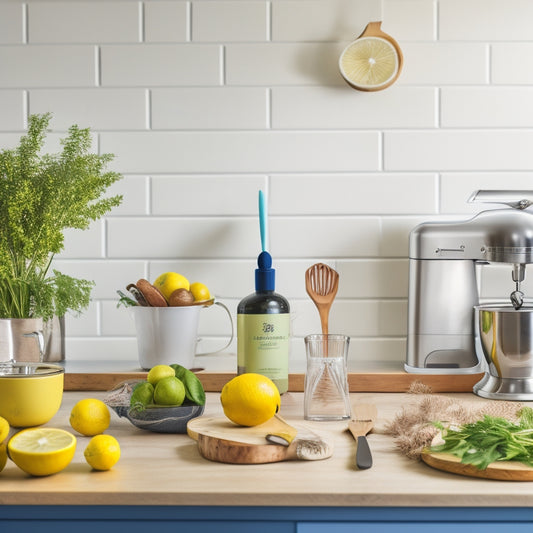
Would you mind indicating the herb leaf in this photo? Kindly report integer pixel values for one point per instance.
(490, 439)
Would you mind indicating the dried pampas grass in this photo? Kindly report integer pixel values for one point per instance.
(413, 427)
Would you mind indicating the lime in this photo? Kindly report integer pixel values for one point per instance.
(168, 282)
(169, 391)
(142, 394)
(90, 417)
(102, 452)
(159, 372)
(42, 451)
(200, 292)
(250, 399)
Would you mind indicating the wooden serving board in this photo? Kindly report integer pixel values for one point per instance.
(503, 471)
(221, 440)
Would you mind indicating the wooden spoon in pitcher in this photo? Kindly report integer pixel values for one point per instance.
(321, 283)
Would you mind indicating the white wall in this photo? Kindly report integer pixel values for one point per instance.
(205, 102)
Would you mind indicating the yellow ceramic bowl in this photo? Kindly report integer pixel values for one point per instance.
(30, 393)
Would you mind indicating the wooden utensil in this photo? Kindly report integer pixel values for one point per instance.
(501, 470)
(221, 440)
(364, 416)
(322, 283)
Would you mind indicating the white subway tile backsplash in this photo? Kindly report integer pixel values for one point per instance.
(486, 107)
(252, 151)
(458, 149)
(153, 65)
(205, 102)
(485, 20)
(229, 21)
(163, 238)
(512, 63)
(362, 194)
(11, 23)
(376, 278)
(345, 108)
(328, 237)
(206, 195)
(209, 108)
(283, 64)
(399, 22)
(444, 63)
(88, 22)
(11, 109)
(32, 66)
(135, 196)
(98, 108)
(309, 20)
(84, 243)
(165, 21)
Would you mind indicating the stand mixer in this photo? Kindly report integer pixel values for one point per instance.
(449, 332)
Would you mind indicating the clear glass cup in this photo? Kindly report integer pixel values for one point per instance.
(326, 392)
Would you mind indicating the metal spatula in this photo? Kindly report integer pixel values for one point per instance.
(364, 416)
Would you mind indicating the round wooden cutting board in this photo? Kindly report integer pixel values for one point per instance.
(503, 471)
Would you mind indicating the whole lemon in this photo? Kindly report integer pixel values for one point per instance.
(3, 455)
(4, 429)
(169, 282)
(158, 372)
(200, 292)
(90, 417)
(102, 452)
(250, 399)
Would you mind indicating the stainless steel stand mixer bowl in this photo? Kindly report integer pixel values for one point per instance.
(443, 308)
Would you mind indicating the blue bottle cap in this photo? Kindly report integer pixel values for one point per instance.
(265, 275)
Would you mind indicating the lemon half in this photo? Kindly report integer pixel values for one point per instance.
(369, 63)
(42, 451)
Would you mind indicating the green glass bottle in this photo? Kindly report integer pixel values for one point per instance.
(263, 328)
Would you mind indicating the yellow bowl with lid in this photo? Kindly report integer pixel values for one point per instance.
(30, 393)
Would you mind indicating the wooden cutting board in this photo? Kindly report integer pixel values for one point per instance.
(221, 440)
(504, 470)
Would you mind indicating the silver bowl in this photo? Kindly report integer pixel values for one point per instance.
(506, 342)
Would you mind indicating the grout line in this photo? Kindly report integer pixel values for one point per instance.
(142, 33)
(148, 109)
(25, 24)
(268, 21)
(25, 108)
(97, 66)
(188, 28)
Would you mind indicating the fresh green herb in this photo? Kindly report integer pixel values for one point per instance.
(491, 439)
(41, 195)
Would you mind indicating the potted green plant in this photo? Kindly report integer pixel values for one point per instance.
(41, 195)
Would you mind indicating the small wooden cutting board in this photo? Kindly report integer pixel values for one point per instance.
(503, 471)
(221, 440)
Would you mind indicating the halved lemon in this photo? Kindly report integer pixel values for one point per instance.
(42, 451)
(369, 63)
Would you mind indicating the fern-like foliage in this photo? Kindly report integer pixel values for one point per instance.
(41, 195)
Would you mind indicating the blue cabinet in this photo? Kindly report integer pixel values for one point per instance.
(213, 519)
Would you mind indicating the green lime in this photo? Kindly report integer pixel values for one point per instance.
(169, 391)
(143, 394)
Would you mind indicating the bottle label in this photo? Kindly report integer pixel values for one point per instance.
(263, 344)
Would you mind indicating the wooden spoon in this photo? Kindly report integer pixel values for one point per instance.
(322, 283)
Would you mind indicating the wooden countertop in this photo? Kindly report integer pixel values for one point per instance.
(158, 469)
